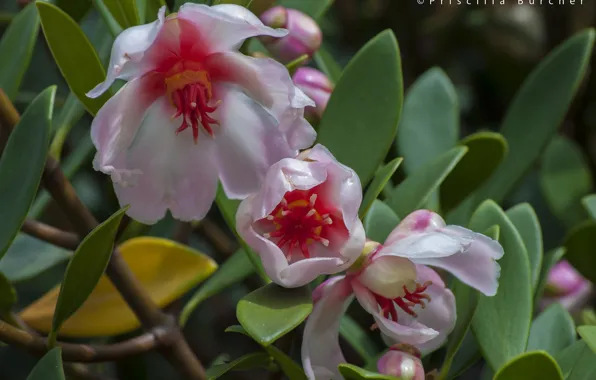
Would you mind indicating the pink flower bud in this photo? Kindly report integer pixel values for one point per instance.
(317, 87)
(304, 36)
(563, 279)
(402, 361)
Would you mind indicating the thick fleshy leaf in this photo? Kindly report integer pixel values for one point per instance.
(287, 365)
(588, 333)
(49, 367)
(552, 331)
(151, 9)
(565, 178)
(233, 270)
(314, 8)
(535, 365)
(467, 355)
(16, 47)
(577, 362)
(358, 338)
(75, 9)
(351, 372)
(549, 260)
(527, 224)
(580, 245)
(19, 177)
(486, 151)
(502, 323)
(167, 270)
(27, 257)
(270, 312)
(327, 64)
(415, 190)
(124, 11)
(424, 135)
(243, 363)
(380, 221)
(358, 128)
(85, 269)
(8, 296)
(589, 202)
(73, 53)
(382, 176)
(537, 111)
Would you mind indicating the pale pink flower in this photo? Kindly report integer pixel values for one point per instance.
(568, 287)
(315, 85)
(303, 222)
(194, 109)
(402, 361)
(408, 300)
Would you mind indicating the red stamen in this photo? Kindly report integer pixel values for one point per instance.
(191, 102)
(406, 303)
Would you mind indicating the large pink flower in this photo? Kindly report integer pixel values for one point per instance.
(193, 110)
(408, 300)
(303, 222)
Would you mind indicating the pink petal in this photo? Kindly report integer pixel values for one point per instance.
(416, 222)
(177, 174)
(226, 26)
(248, 142)
(321, 354)
(127, 53)
(116, 125)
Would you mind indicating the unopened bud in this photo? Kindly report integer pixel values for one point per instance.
(563, 280)
(304, 35)
(316, 86)
(387, 276)
(403, 362)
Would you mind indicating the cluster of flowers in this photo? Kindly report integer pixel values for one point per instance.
(195, 111)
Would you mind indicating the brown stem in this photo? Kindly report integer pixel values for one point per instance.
(50, 234)
(182, 232)
(217, 237)
(81, 372)
(53, 179)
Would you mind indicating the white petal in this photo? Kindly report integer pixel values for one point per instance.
(127, 51)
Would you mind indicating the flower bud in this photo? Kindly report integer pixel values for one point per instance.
(387, 276)
(563, 280)
(304, 35)
(403, 362)
(317, 87)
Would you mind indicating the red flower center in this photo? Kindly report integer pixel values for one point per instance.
(191, 94)
(406, 303)
(300, 219)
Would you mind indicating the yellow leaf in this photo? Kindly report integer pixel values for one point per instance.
(166, 269)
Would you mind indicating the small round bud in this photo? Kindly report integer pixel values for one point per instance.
(316, 86)
(403, 362)
(304, 35)
(388, 275)
(563, 280)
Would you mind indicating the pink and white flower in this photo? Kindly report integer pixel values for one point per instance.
(303, 222)
(408, 300)
(194, 110)
(568, 287)
(402, 361)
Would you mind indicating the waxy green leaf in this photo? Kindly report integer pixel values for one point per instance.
(327, 64)
(535, 365)
(577, 362)
(358, 338)
(382, 176)
(351, 372)
(549, 260)
(580, 245)
(380, 221)
(243, 363)
(527, 224)
(124, 11)
(49, 367)
(552, 331)
(588, 333)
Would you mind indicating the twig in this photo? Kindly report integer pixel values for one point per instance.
(217, 237)
(177, 351)
(182, 232)
(50, 234)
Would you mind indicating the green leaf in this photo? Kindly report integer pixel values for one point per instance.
(549, 260)
(234, 270)
(589, 202)
(424, 135)
(357, 126)
(380, 221)
(415, 190)
(75, 9)
(27, 257)
(75, 56)
(381, 178)
(502, 323)
(536, 365)
(16, 47)
(314, 8)
(151, 9)
(360, 341)
(49, 367)
(588, 333)
(537, 111)
(124, 11)
(327, 64)
(580, 249)
(466, 301)
(467, 355)
(577, 362)
(565, 178)
(527, 224)
(246, 362)
(270, 312)
(351, 372)
(8, 296)
(486, 151)
(22, 163)
(85, 269)
(552, 331)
